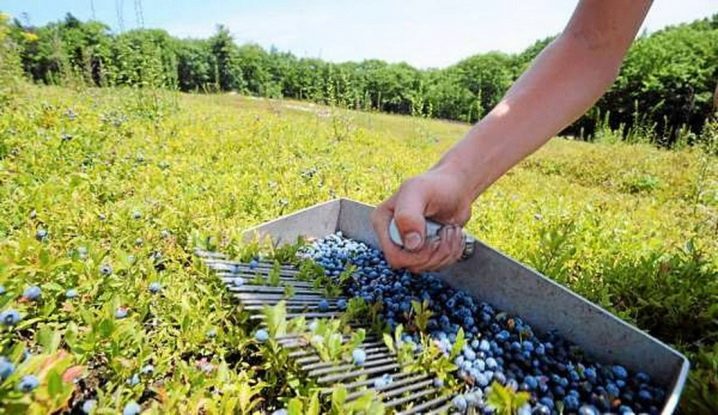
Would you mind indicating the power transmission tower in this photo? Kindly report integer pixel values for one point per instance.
(138, 14)
(119, 5)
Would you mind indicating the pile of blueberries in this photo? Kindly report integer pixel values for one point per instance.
(499, 348)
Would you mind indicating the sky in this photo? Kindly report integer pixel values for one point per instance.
(423, 33)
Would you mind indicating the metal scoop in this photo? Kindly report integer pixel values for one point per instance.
(432, 232)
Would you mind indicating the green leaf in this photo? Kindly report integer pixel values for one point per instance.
(295, 407)
(54, 383)
(389, 342)
(313, 408)
(276, 318)
(339, 397)
(458, 344)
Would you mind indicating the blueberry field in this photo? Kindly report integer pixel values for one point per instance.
(106, 193)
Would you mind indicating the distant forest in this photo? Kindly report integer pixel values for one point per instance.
(666, 83)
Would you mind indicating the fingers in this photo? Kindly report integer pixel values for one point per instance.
(449, 251)
(409, 211)
(431, 256)
(395, 255)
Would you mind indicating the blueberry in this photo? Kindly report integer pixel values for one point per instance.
(261, 335)
(88, 406)
(10, 317)
(438, 383)
(524, 410)
(540, 350)
(164, 234)
(132, 408)
(134, 380)
(280, 412)
(541, 409)
(147, 369)
(6, 368)
(612, 390)
(106, 270)
(484, 346)
(645, 395)
(531, 382)
(253, 264)
(574, 376)
(238, 281)
(211, 333)
(32, 292)
(342, 304)
(136, 215)
(503, 335)
(323, 305)
(625, 410)
(570, 402)
(588, 410)
(642, 377)
(547, 402)
(359, 357)
(155, 287)
(71, 293)
(619, 372)
(41, 234)
(491, 363)
(121, 313)
(28, 383)
(383, 382)
(459, 403)
(2, 289)
(590, 374)
(466, 365)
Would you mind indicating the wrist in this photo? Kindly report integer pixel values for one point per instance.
(461, 172)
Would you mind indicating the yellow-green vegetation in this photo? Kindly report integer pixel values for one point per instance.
(106, 191)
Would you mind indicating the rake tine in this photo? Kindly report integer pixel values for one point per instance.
(356, 374)
(429, 404)
(412, 397)
(395, 388)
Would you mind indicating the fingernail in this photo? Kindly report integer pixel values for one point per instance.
(435, 245)
(412, 241)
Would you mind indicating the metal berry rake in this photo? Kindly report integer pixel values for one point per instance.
(408, 393)
(488, 275)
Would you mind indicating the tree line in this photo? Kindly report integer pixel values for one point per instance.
(665, 85)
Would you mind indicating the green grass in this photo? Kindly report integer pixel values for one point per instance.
(631, 227)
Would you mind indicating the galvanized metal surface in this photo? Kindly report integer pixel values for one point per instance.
(495, 278)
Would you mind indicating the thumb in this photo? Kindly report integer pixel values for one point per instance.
(409, 216)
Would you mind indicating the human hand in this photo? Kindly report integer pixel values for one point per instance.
(437, 194)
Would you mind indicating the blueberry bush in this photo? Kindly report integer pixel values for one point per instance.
(104, 194)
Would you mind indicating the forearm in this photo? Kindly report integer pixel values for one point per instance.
(564, 81)
(539, 105)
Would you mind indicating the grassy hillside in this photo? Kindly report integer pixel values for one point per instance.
(134, 180)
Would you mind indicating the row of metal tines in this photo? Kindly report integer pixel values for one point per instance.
(408, 393)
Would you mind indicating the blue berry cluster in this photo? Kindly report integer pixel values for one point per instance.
(499, 348)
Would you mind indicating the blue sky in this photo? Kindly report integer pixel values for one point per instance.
(424, 33)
